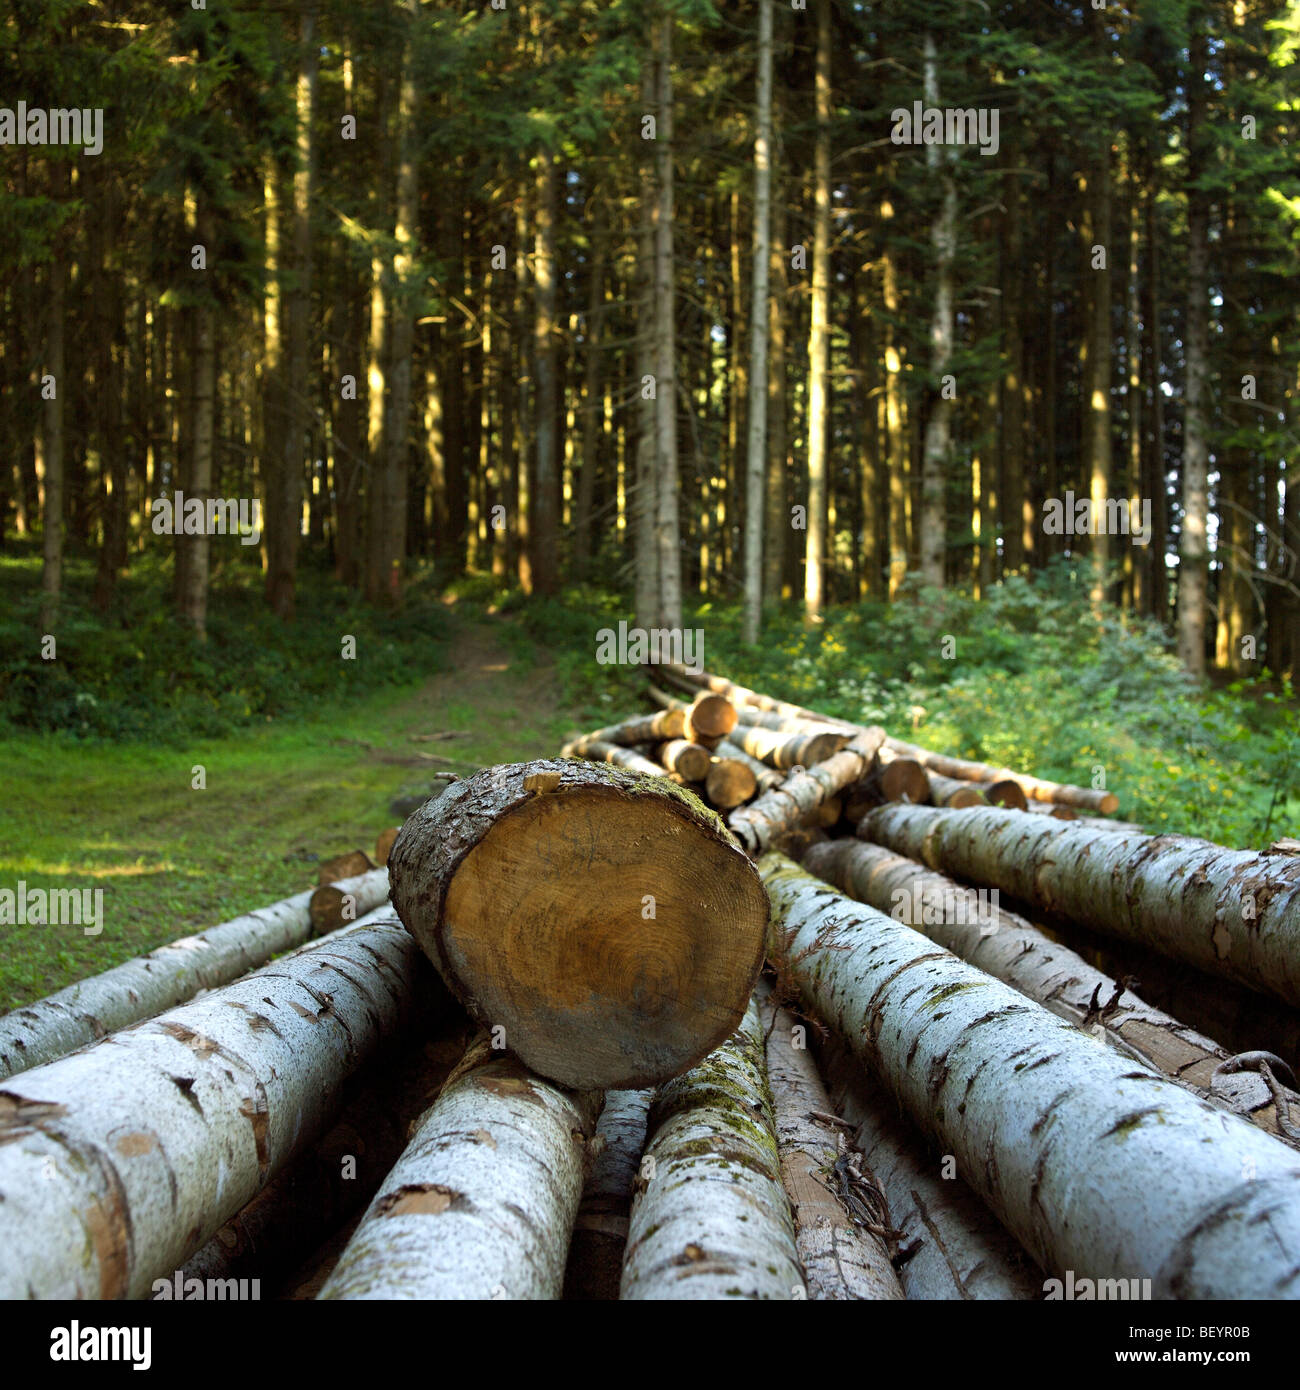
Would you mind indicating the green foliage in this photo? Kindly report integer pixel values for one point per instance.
(144, 674)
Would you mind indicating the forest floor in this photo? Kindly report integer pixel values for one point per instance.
(123, 817)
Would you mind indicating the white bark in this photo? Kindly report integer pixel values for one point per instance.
(841, 1261)
(713, 1220)
(1094, 1165)
(1011, 949)
(951, 1246)
(118, 1162)
(1227, 912)
(482, 1202)
(140, 988)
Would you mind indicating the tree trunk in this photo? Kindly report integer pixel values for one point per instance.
(667, 526)
(756, 471)
(819, 396)
(592, 389)
(840, 1261)
(482, 1202)
(784, 751)
(645, 488)
(138, 989)
(600, 1231)
(544, 531)
(1097, 378)
(713, 1220)
(777, 528)
(895, 424)
(1007, 947)
(1193, 553)
(528, 886)
(1227, 912)
(152, 1140)
(1012, 1103)
(193, 552)
(598, 750)
(52, 450)
(936, 455)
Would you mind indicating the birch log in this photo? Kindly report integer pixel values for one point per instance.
(713, 1220)
(729, 783)
(954, 793)
(951, 1246)
(596, 750)
(781, 809)
(481, 1203)
(784, 751)
(335, 905)
(645, 728)
(1095, 1166)
(1224, 911)
(706, 718)
(975, 927)
(741, 696)
(600, 1231)
(608, 922)
(764, 777)
(118, 1162)
(148, 985)
(688, 760)
(840, 1260)
(296, 1212)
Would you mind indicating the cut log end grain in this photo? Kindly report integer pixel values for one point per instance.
(1005, 792)
(903, 779)
(688, 760)
(729, 783)
(345, 866)
(954, 793)
(611, 925)
(710, 716)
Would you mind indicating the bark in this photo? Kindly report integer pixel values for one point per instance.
(936, 455)
(348, 865)
(778, 513)
(1099, 341)
(840, 1261)
(481, 1204)
(51, 452)
(600, 1230)
(756, 465)
(193, 552)
(644, 728)
(119, 1162)
(819, 393)
(1068, 1144)
(141, 988)
(1227, 912)
(950, 1244)
(713, 1220)
(529, 886)
(781, 809)
(645, 489)
(296, 1212)
(951, 791)
(1009, 948)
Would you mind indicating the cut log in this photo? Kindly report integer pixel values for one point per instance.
(740, 696)
(707, 717)
(1005, 792)
(1069, 1143)
(764, 777)
(481, 1203)
(971, 924)
(842, 1259)
(350, 865)
(782, 809)
(607, 922)
(596, 750)
(777, 723)
(729, 783)
(950, 1244)
(141, 988)
(954, 793)
(316, 1193)
(713, 1220)
(688, 760)
(384, 844)
(336, 905)
(645, 728)
(896, 778)
(784, 751)
(1224, 911)
(120, 1161)
(600, 1232)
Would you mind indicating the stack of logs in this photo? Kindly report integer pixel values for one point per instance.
(726, 1002)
